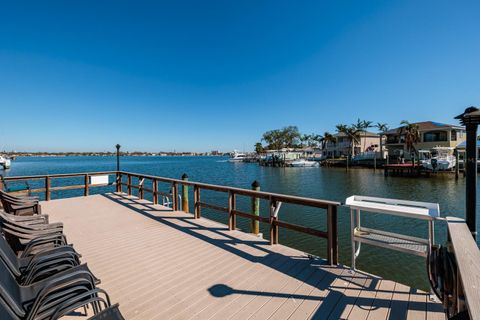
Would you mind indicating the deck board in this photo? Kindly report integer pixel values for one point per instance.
(163, 264)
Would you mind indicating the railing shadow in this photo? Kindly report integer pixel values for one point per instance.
(329, 305)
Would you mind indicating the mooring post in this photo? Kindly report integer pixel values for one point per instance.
(256, 208)
(47, 188)
(185, 194)
(119, 176)
(457, 164)
(471, 119)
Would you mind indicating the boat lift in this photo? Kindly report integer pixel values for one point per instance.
(426, 211)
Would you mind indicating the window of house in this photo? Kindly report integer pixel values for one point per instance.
(435, 136)
(392, 139)
(454, 135)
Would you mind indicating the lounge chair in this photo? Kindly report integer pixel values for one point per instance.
(37, 267)
(37, 222)
(41, 299)
(110, 313)
(27, 224)
(18, 237)
(36, 219)
(26, 247)
(102, 307)
(19, 205)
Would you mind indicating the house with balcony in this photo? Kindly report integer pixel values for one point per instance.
(368, 141)
(432, 134)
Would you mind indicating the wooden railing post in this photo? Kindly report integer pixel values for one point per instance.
(196, 202)
(154, 191)
(47, 188)
(232, 218)
(129, 185)
(174, 196)
(85, 193)
(140, 187)
(256, 208)
(119, 182)
(273, 220)
(185, 205)
(332, 241)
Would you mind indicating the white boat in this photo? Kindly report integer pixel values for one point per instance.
(442, 159)
(5, 162)
(424, 156)
(304, 163)
(237, 156)
(367, 155)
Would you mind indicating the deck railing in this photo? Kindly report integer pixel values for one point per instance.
(275, 201)
(467, 273)
(47, 189)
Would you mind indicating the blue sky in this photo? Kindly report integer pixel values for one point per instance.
(204, 75)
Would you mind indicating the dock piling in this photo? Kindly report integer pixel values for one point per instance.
(185, 194)
(457, 164)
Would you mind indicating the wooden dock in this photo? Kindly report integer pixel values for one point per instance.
(164, 264)
(403, 169)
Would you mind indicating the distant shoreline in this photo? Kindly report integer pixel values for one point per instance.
(110, 154)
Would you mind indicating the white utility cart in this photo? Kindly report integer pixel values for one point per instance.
(410, 209)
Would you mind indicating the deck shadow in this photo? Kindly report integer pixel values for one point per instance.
(288, 265)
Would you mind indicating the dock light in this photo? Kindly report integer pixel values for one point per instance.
(118, 156)
(471, 119)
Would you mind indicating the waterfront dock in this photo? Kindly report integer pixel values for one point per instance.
(403, 169)
(164, 264)
(167, 262)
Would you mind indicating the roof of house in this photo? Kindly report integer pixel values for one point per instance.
(464, 144)
(427, 125)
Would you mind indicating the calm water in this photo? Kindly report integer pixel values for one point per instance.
(323, 183)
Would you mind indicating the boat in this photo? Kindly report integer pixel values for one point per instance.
(304, 163)
(367, 155)
(5, 162)
(442, 159)
(237, 156)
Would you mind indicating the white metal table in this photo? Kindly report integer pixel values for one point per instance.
(410, 209)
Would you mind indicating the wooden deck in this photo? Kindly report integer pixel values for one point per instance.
(161, 264)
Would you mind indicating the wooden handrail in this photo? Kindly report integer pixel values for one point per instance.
(245, 192)
(467, 256)
(59, 175)
(273, 198)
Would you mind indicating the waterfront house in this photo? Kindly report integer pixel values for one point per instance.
(369, 141)
(432, 134)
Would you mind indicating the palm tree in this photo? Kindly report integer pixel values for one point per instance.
(304, 140)
(363, 126)
(315, 140)
(353, 135)
(326, 139)
(412, 135)
(382, 127)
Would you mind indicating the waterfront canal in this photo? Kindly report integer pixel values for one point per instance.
(323, 183)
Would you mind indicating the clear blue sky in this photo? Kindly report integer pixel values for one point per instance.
(203, 75)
